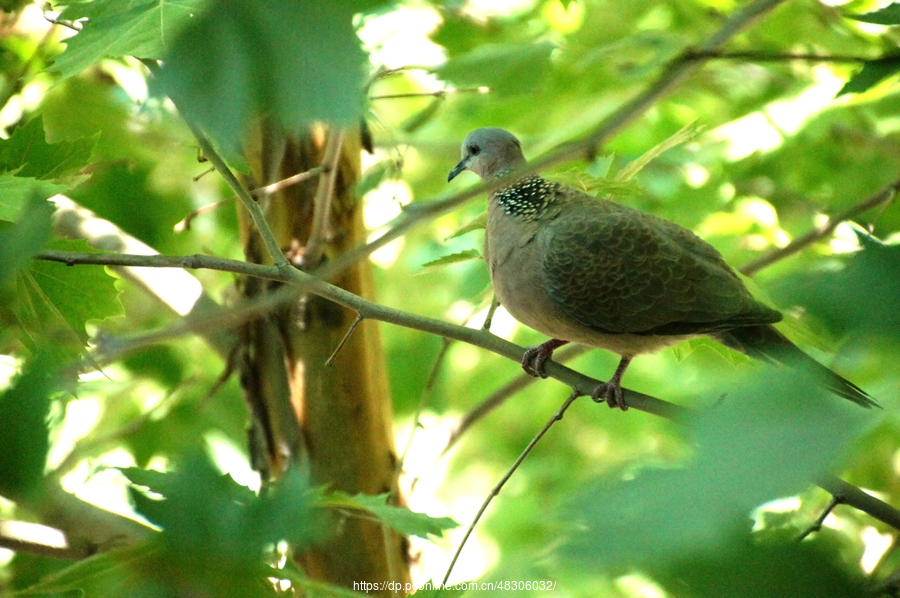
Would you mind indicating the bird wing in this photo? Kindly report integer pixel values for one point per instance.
(617, 270)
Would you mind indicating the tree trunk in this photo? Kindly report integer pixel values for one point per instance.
(335, 420)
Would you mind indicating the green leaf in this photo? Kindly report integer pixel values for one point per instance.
(55, 301)
(749, 568)
(479, 223)
(24, 444)
(769, 438)
(298, 61)
(454, 258)
(683, 135)
(16, 192)
(28, 154)
(401, 519)
(873, 72)
(20, 242)
(140, 28)
(889, 15)
(505, 68)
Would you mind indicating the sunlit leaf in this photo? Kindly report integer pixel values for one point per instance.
(873, 72)
(401, 519)
(454, 258)
(889, 15)
(139, 28)
(478, 223)
(683, 135)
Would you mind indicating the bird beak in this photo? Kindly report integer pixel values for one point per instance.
(463, 164)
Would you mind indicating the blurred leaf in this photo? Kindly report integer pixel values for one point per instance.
(860, 296)
(769, 438)
(16, 192)
(28, 153)
(423, 117)
(889, 15)
(682, 350)
(299, 61)
(23, 240)
(505, 68)
(478, 223)
(598, 186)
(202, 510)
(401, 519)
(873, 72)
(140, 28)
(752, 569)
(454, 258)
(374, 176)
(24, 444)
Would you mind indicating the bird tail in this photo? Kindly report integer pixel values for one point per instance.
(767, 344)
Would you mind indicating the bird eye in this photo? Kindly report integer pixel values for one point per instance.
(474, 149)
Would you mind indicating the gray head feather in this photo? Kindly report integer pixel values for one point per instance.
(489, 152)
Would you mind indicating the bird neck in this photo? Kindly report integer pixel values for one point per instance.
(527, 197)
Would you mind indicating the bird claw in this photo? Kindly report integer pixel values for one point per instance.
(611, 393)
(534, 361)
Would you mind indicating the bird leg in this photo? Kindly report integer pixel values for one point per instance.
(535, 357)
(611, 391)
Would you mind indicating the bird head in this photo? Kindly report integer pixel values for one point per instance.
(489, 152)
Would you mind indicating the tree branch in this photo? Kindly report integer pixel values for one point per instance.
(880, 197)
(304, 282)
(764, 57)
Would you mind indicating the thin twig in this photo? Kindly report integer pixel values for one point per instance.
(209, 152)
(489, 318)
(432, 94)
(318, 236)
(849, 494)
(816, 525)
(330, 361)
(291, 180)
(764, 57)
(496, 490)
(203, 174)
(880, 197)
(185, 223)
(37, 547)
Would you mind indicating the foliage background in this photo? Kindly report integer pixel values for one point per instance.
(667, 506)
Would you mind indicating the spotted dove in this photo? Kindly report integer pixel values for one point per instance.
(587, 270)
